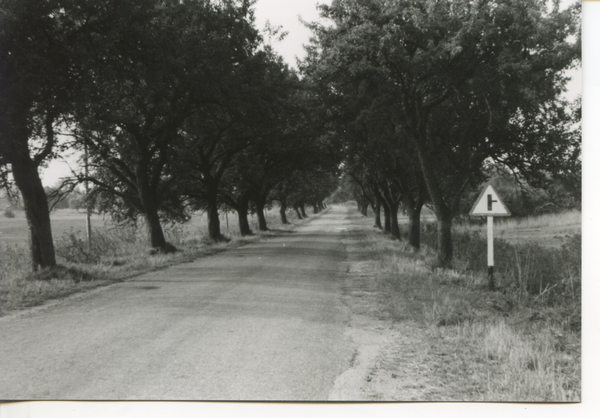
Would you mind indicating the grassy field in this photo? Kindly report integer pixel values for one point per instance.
(521, 342)
(13, 231)
(547, 230)
(115, 254)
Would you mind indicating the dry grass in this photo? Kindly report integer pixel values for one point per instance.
(515, 344)
(115, 254)
(547, 230)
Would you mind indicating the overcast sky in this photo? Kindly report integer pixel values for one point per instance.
(287, 13)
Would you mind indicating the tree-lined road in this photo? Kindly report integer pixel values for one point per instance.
(261, 322)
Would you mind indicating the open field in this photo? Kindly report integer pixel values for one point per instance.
(65, 221)
(547, 230)
(14, 230)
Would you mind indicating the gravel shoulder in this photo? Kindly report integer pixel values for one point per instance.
(394, 360)
(391, 359)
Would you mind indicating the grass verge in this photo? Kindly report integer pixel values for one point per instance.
(518, 343)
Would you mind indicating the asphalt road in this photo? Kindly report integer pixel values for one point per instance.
(261, 322)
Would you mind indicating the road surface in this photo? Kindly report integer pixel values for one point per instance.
(261, 322)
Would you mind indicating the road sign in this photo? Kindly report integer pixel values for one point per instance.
(489, 204)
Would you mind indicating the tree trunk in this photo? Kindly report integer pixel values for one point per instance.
(242, 211)
(387, 219)
(395, 228)
(444, 239)
(297, 209)
(35, 204)
(260, 213)
(304, 215)
(244, 224)
(362, 206)
(442, 211)
(150, 207)
(315, 208)
(377, 210)
(282, 210)
(414, 225)
(212, 212)
(155, 232)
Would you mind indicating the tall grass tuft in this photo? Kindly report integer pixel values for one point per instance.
(534, 270)
(104, 246)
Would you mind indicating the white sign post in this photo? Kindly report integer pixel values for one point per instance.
(489, 204)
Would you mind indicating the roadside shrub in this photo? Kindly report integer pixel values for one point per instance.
(76, 202)
(177, 233)
(9, 213)
(73, 246)
(13, 260)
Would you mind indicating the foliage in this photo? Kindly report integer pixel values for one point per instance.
(236, 151)
(464, 82)
(154, 67)
(9, 213)
(38, 78)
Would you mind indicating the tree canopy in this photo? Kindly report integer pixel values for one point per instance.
(462, 79)
(182, 106)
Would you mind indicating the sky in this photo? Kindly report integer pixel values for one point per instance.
(285, 13)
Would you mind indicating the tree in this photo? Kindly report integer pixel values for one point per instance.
(459, 74)
(37, 79)
(378, 155)
(229, 144)
(156, 67)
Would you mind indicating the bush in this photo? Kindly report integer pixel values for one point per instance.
(74, 249)
(105, 245)
(9, 213)
(76, 202)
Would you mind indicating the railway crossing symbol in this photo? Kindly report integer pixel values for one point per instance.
(489, 204)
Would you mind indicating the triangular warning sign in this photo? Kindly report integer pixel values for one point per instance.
(489, 204)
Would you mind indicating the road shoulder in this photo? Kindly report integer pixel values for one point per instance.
(393, 361)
